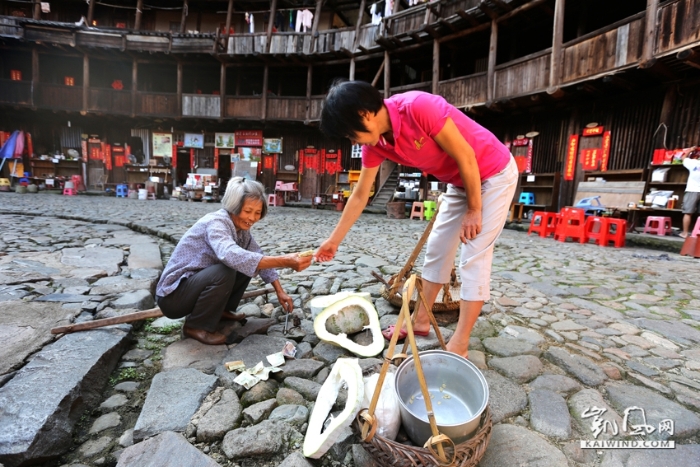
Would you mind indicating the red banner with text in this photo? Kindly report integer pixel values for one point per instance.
(572, 149)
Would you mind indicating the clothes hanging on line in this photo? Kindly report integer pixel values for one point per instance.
(291, 20)
(304, 20)
(376, 14)
(251, 24)
(389, 7)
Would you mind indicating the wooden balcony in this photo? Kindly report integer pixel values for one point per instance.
(9, 27)
(315, 107)
(677, 25)
(163, 104)
(244, 107)
(335, 41)
(286, 108)
(15, 92)
(526, 75)
(110, 101)
(406, 22)
(201, 105)
(466, 91)
(58, 96)
(246, 44)
(290, 43)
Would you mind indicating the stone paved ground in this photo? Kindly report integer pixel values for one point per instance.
(570, 329)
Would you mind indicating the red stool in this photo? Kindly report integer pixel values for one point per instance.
(274, 200)
(615, 232)
(696, 229)
(658, 225)
(596, 228)
(543, 223)
(78, 182)
(571, 224)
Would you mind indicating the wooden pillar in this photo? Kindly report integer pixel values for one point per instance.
(387, 75)
(91, 12)
(352, 69)
(314, 25)
(86, 83)
(360, 18)
(309, 73)
(139, 13)
(222, 91)
(436, 66)
(270, 23)
(649, 34)
(134, 81)
(229, 12)
(35, 75)
(493, 48)
(179, 88)
(557, 37)
(37, 9)
(266, 72)
(183, 18)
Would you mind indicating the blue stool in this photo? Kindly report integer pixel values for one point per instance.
(527, 198)
(122, 191)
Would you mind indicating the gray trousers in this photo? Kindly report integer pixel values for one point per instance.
(204, 296)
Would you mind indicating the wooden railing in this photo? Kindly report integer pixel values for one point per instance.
(368, 36)
(9, 27)
(15, 92)
(247, 44)
(465, 91)
(599, 52)
(424, 86)
(110, 100)
(156, 103)
(286, 108)
(677, 25)
(290, 43)
(450, 8)
(405, 21)
(140, 42)
(244, 107)
(315, 107)
(335, 40)
(58, 96)
(525, 75)
(201, 105)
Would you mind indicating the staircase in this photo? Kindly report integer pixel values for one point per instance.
(386, 193)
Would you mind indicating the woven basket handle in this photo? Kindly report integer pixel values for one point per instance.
(433, 321)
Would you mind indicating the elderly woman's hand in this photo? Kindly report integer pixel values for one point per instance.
(298, 263)
(285, 300)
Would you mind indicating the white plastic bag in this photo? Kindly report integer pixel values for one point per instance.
(387, 412)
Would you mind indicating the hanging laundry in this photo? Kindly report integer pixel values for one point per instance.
(376, 14)
(297, 23)
(389, 7)
(291, 20)
(251, 24)
(306, 19)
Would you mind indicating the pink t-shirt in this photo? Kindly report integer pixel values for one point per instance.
(416, 118)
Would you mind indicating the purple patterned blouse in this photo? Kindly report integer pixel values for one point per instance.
(211, 240)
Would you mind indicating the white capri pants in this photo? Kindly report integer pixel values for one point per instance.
(477, 254)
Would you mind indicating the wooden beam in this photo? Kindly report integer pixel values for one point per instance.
(360, 18)
(466, 32)
(37, 9)
(689, 57)
(183, 17)
(270, 23)
(502, 5)
(222, 91)
(309, 74)
(436, 67)
(557, 38)
(139, 14)
(490, 76)
(314, 26)
(487, 10)
(464, 15)
(266, 73)
(387, 75)
(134, 81)
(229, 13)
(86, 82)
(90, 12)
(649, 33)
(35, 75)
(351, 76)
(379, 72)
(178, 90)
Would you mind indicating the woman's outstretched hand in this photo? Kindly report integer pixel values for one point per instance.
(326, 251)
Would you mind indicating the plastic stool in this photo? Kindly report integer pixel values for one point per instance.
(69, 191)
(417, 211)
(696, 229)
(615, 232)
(274, 200)
(543, 223)
(596, 229)
(151, 195)
(429, 209)
(658, 225)
(571, 224)
(122, 191)
(78, 182)
(527, 198)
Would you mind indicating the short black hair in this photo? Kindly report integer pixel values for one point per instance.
(340, 117)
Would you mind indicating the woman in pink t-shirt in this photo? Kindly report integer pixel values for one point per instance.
(424, 131)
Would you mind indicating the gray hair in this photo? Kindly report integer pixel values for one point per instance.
(239, 190)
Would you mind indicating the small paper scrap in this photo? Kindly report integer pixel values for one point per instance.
(234, 366)
(276, 359)
(289, 350)
(246, 380)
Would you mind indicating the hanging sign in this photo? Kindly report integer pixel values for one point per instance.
(528, 163)
(194, 140)
(356, 152)
(272, 145)
(108, 156)
(606, 152)
(572, 149)
(594, 131)
(224, 140)
(174, 156)
(250, 154)
(521, 142)
(248, 138)
(216, 158)
(162, 144)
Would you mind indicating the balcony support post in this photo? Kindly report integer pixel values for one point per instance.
(314, 25)
(270, 23)
(35, 75)
(179, 88)
(649, 34)
(309, 74)
(352, 69)
(266, 72)
(379, 73)
(91, 12)
(183, 18)
(557, 38)
(37, 9)
(436, 67)
(222, 92)
(229, 12)
(86, 83)
(139, 14)
(360, 19)
(134, 81)
(493, 48)
(387, 75)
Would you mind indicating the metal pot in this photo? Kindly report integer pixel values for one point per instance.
(458, 390)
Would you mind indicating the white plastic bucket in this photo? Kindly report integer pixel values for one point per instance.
(143, 193)
(68, 185)
(434, 186)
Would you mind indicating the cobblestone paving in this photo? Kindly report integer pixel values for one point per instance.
(571, 330)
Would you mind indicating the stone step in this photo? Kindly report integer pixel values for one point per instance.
(40, 406)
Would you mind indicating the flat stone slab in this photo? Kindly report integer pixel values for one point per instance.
(67, 298)
(120, 284)
(221, 418)
(165, 449)
(656, 408)
(189, 353)
(557, 383)
(682, 455)
(24, 329)
(582, 368)
(515, 445)
(585, 406)
(549, 414)
(67, 377)
(505, 397)
(673, 330)
(173, 398)
(521, 368)
(145, 255)
(264, 439)
(107, 259)
(254, 349)
(510, 347)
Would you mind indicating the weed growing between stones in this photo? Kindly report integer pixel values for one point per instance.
(127, 374)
